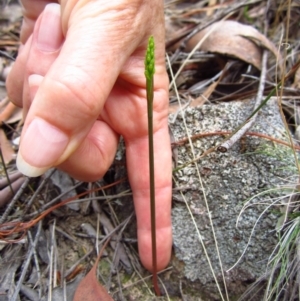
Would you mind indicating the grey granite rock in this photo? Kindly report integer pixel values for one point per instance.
(229, 179)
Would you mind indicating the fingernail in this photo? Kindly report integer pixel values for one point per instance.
(50, 36)
(41, 147)
(27, 169)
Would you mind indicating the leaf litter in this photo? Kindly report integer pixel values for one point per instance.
(226, 66)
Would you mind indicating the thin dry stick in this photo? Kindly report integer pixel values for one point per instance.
(5, 171)
(29, 293)
(37, 266)
(28, 205)
(13, 201)
(6, 194)
(10, 178)
(225, 133)
(47, 205)
(71, 269)
(97, 233)
(15, 296)
(118, 238)
(15, 227)
(237, 136)
(50, 281)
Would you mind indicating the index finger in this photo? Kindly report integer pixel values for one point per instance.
(138, 171)
(31, 11)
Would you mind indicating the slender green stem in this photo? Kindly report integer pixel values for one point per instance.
(149, 72)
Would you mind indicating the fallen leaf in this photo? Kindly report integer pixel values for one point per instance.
(89, 289)
(121, 253)
(16, 116)
(65, 184)
(7, 112)
(234, 39)
(8, 152)
(6, 193)
(211, 4)
(12, 177)
(200, 100)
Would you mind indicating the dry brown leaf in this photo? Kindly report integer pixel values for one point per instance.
(16, 116)
(12, 177)
(199, 101)
(89, 289)
(11, 113)
(121, 253)
(6, 194)
(211, 10)
(8, 152)
(234, 39)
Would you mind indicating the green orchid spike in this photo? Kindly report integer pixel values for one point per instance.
(150, 59)
(149, 73)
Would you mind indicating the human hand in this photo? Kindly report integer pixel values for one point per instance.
(80, 79)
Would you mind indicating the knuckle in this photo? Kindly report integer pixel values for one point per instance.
(78, 97)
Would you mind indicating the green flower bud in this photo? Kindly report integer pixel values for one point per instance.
(149, 59)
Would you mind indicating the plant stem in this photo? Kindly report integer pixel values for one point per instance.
(149, 72)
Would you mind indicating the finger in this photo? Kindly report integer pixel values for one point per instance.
(95, 155)
(31, 11)
(45, 48)
(15, 79)
(36, 57)
(74, 90)
(138, 171)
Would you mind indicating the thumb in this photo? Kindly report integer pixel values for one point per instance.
(73, 91)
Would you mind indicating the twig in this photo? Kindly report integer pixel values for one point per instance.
(120, 286)
(5, 171)
(237, 136)
(28, 205)
(10, 178)
(15, 296)
(6, 193)
(68, 236)
(36, 261)
(14, 200)
(70, 270)
(2, 53)
(30, 293)
(51, 264)
(15, 227)
(44, 207)
(224, 133)
(116, 252)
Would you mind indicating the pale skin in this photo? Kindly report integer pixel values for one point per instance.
(80, 78)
